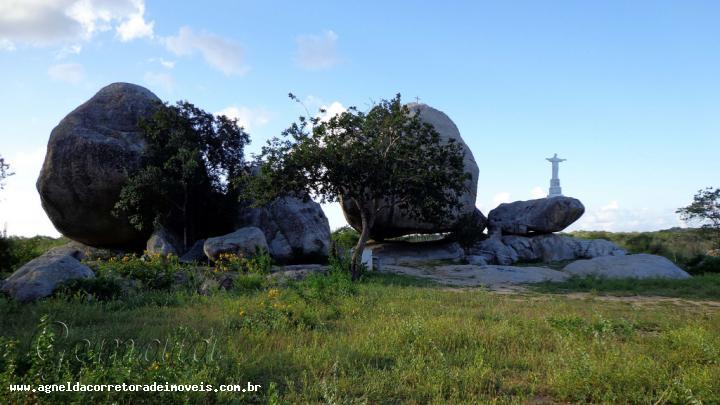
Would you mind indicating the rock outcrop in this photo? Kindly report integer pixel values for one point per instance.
(297, 231)
(245, 241)
(542, 248)
(41, 276)
(393, 222)
(544, 215)
(89, 157)
(630, 266)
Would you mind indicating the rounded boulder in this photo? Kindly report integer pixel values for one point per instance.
(90, 155)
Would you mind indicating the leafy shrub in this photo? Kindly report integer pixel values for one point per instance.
(155, 271)
(261, 263)
(345, 238)
(16, 251)
(101, 288)
(708, 264)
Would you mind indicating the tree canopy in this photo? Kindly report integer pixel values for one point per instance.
(188, 172)
(372, 160)
(705, 210)
(4, 172)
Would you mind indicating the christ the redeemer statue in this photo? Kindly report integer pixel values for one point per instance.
(555, 189)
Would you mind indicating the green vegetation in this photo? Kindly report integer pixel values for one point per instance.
(705, 286)
(16, 251)
(385, 339)
(688, 248)
(705, 210)
(383, 159)
(4, 172)
(190, 166)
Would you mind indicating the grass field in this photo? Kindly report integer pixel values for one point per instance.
(387, 339)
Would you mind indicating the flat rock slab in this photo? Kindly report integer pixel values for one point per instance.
(631, 266)
(468, 275)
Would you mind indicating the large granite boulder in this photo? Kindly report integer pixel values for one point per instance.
(90, 155)
(393, 222)
(544, 215)
(297, 231)
(41, 276)
(245, 241)
(630, 266)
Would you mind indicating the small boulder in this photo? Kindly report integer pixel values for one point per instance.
(245, 241)
(164, 242)
(41, 276)
(544, 215)
(630, 266)
(495, 251)
(476, 260)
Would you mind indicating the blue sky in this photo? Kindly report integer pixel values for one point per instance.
(628, 92)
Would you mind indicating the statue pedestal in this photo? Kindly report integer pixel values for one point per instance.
(555, 189)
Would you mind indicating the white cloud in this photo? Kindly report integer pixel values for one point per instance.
(317, 52)
(613, 217)
(20, 206)
(537, 192)
(502, 197)
(248, 118)
(335, 108)
(46, 22)
(6, 45)
(167, 63)
(161, 80)
(68, 50)
(67, 72)
(220, 53)
(135, 26)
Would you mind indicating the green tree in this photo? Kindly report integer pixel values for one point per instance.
(186, 177)
(4, 172)
(705, 210)
(368, 160)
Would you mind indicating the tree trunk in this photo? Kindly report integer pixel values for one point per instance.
(360, 247)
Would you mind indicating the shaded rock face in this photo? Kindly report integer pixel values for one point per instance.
(90, 155)
(398, 253)
(297, 231)
(245, 241)
(164, 242)
(631, 266)
(41, 276)
(392, 222)
(544, 215)
(195, 254)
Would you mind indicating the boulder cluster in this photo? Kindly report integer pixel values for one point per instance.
(97, 147)
(523, 231)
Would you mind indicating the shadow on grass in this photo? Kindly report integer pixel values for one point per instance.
(706, 286)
